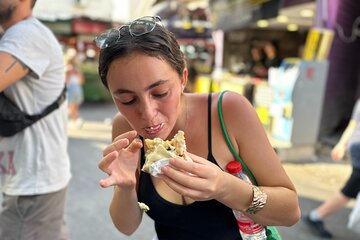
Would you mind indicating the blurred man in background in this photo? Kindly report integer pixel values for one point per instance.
(34, 163)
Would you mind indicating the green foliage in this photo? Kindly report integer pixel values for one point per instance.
(94, 90)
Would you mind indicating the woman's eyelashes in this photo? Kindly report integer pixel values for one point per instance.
(161, 95)
(134, 100)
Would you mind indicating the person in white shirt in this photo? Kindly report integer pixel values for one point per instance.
(34, 163)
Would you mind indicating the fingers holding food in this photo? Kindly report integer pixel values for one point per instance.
(199, 179)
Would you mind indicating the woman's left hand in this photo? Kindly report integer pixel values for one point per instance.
(199, 180)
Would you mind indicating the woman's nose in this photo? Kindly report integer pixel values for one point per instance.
(148, 110)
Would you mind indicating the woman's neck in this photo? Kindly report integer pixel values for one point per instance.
(182, 122)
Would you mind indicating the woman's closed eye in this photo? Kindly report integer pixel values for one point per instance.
(134, 100)
(124, 98)
(129, 102)
(161, 95)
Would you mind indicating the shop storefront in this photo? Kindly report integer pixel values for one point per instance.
(193, 30)
(79, 34)
(318, 80)
(343, 83)
(289, 97)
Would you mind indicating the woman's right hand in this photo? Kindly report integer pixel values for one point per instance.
(120, 161)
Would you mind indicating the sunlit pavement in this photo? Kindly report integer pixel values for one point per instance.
(87, 211)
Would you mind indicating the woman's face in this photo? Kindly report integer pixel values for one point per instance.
(147, 92)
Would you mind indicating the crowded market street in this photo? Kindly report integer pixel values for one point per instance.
(293, 61)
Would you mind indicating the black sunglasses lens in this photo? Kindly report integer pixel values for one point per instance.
(100, 40)
(104, 40)
(142, 26)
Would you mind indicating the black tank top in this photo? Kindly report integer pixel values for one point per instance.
(201, 220)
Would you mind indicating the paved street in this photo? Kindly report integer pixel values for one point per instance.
(87, 211)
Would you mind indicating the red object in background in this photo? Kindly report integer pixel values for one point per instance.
(89, 27)
(310, 71)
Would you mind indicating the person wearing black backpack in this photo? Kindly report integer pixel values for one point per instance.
(34, 162)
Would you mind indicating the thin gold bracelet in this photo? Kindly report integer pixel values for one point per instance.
(258, 201)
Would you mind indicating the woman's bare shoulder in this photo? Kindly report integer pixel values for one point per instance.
(236, 106)
(240, 117)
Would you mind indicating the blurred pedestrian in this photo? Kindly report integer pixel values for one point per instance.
(257, 70)
(257, 62)
(349, 141)
(74, 83)
(34, 163)
(271, 55)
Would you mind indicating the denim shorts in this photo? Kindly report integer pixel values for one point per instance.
(75, 94)
(35, 217)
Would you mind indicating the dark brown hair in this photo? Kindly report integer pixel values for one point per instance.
(159, 43)
(33, 3)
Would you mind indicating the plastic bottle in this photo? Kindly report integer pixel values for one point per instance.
(249, 229)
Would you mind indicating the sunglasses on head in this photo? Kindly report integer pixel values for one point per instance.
(137, 28)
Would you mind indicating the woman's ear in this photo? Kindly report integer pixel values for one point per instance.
(184, 79)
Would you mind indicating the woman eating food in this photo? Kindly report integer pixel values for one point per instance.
(143, 68)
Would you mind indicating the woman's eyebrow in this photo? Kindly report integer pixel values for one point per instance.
(153, 85)
(121, 91)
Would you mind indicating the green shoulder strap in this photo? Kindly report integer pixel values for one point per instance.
(271, 231)
(236, 155)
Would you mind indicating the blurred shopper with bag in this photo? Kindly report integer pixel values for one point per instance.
(349, 141)
(34, 163)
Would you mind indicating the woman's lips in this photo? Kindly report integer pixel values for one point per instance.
(154, 129)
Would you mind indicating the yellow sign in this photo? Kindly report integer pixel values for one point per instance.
(318, 43)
